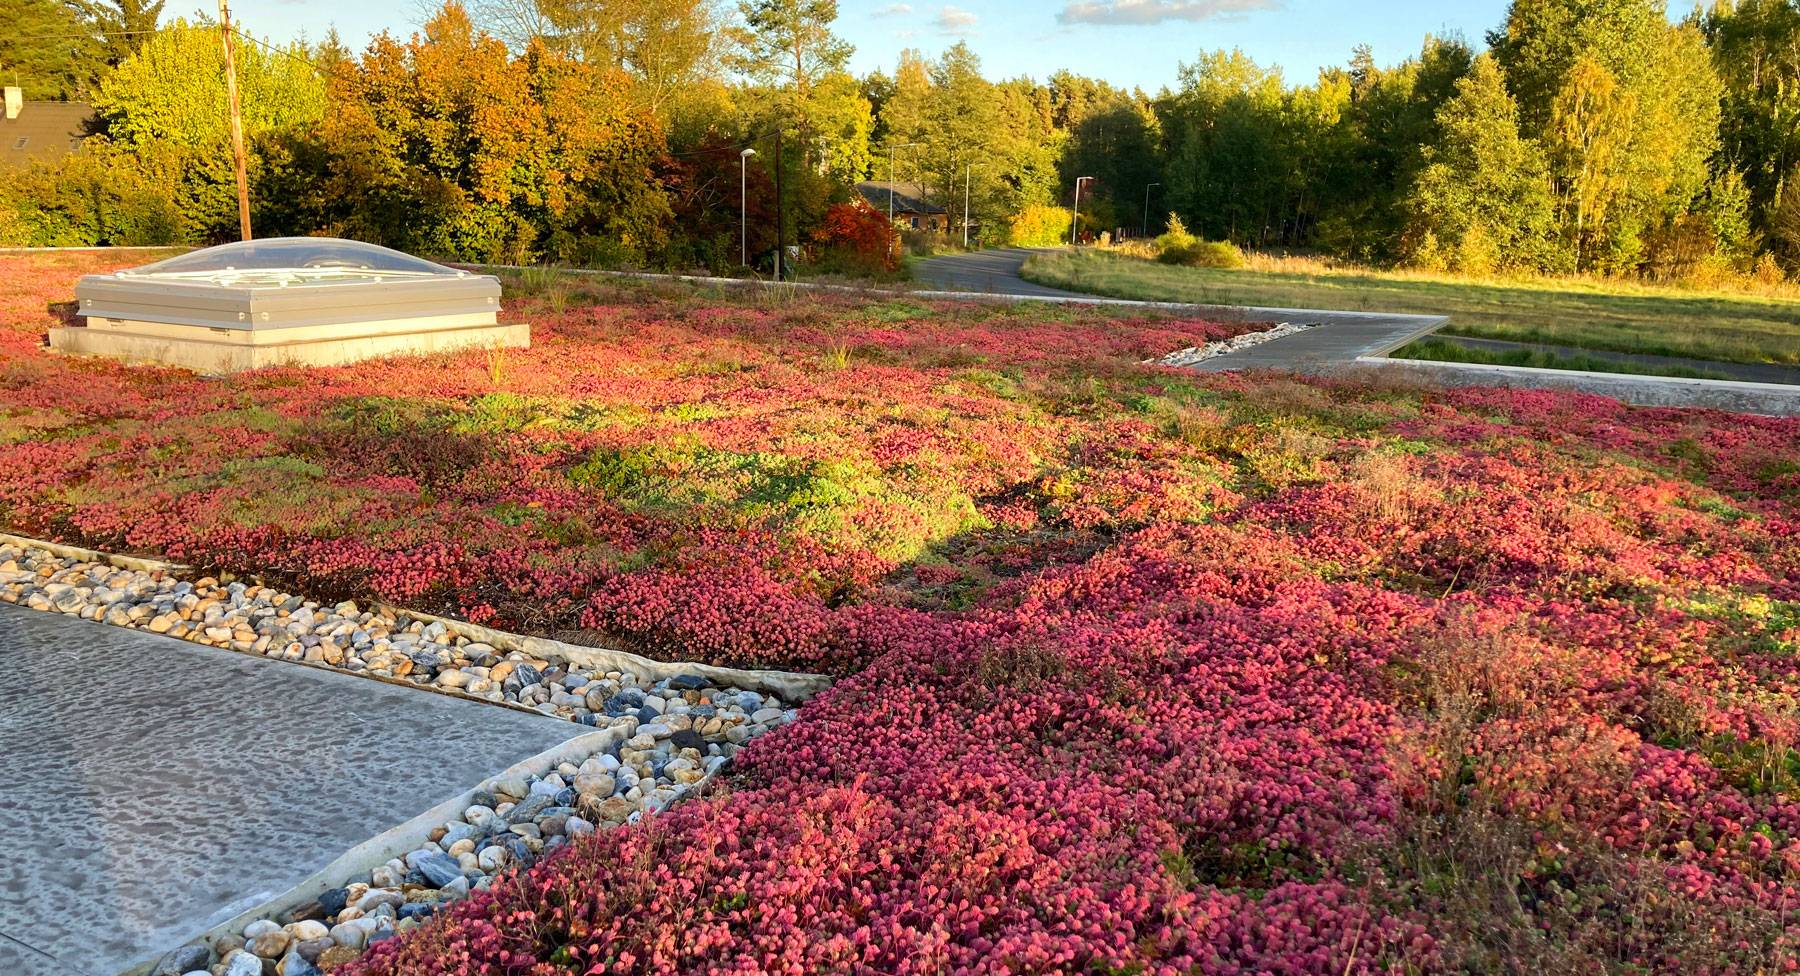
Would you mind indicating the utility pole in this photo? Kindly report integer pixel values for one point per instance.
(891, 148)
(1147, 208)
(780, 208)
(237, 122)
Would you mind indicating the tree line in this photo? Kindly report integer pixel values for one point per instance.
(1585, 136)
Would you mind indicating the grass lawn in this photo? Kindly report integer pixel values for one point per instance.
(1613, 316)
(1139, 670)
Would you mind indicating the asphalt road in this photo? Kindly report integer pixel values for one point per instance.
(993, 272)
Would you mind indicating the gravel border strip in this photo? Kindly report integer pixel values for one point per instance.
(664, 734)
(789, 685)
(1225, 347)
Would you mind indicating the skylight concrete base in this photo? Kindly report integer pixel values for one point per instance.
(207, 350)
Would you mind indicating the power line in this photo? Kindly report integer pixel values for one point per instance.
(272, 49)
(85, 36)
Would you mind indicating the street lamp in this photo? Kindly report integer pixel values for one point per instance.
(968, 177)
(744, 206)
(1147, 208)
(1075, 224)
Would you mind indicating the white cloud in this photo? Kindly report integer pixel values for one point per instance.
(894, 10)
(1136, 12)
(954, 20)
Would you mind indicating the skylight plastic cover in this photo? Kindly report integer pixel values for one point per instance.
(295, 253)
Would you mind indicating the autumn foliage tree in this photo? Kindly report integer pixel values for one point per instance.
(449, 144)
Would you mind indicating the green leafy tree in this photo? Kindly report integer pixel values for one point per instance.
(1225, 131)
(1652, 115)
(123, 26)
(1482, 201)
(1784, 223)
(1755, 47)
(52, 48)
(1391, 117)
(788, 50)
(789, 45)
(1118, 143)
(173, 90)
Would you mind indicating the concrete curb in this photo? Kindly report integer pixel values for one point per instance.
(408, 836)
(134, 563)
(792, 687)
(1736, 396)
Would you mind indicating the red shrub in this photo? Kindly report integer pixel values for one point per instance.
(854, 235)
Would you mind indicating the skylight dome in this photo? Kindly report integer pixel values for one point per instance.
(320, 256)
(288, 300)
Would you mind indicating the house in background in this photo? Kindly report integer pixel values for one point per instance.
(911, 210)
(40, 131)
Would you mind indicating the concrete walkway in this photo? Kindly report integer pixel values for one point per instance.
(1343, 337)
(1349, 342)
(150, 788)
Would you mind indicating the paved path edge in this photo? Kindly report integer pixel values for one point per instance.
(397, 841)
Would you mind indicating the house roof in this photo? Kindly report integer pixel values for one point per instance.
(909, 198)
(43, 131)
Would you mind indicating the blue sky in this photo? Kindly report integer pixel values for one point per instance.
(1128, 42)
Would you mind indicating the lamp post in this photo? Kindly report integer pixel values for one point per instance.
(968, 175)
(1075, 224)
(744, 206)
(1147, 208)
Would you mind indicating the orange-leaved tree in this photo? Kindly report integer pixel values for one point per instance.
(448, 144)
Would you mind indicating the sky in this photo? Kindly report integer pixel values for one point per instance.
(1131, 43)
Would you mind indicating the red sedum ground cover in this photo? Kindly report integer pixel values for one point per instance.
(1144, 672)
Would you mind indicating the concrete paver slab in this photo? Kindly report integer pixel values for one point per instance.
(150, 788)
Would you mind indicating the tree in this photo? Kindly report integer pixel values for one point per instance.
(1661, 73)
(789, 44)
(1482, 201)
(1116, 139)
(1784, 222)
(51, 47)
(1590, 136)
(788, 48)
(173, 89)
(1543, 39)
(1755, 47)
(1225, 132)
(123, 25)
(1391, 117)
(666, 46)
(450, 145)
